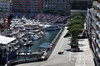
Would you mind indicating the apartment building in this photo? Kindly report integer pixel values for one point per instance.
(93, 30)
(34, 5)
(4, 5)
(21, 6)
(26, 5)
(49, 5)
(40, 5)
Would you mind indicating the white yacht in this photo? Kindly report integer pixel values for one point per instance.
(50, 27)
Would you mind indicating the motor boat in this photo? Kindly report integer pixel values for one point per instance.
(29, 43)
(51, 27)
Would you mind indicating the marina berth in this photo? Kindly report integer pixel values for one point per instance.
(23, 37)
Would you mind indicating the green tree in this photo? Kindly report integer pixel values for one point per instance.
(74, 31)
(77, 14)
(77, 21)
(75, 27)
(78, 17)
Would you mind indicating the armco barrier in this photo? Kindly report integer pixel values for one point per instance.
(53, 44)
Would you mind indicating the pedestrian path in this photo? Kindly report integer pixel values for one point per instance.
(84, 58)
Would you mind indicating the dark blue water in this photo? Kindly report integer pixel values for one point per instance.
(41, 43)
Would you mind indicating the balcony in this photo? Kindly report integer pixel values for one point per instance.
(98, 5)
(98, 33)
(98, 15)
(95, 3)
(98, 24)
(94, 19)
(98, 42)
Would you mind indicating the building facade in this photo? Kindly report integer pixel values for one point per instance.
(93, 30)
(21, 6)
(4, 5)
(49, 5)
(34, 5)
(26, 5)
(40, 5)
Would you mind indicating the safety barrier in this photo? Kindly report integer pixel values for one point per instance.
(54, 42)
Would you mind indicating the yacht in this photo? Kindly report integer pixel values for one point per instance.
(29, 43)
(50, 27)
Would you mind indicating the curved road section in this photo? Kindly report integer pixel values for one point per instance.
(68, 58)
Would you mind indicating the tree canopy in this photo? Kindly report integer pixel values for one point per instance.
(76, 14)
(78, 17)
(77, 21)
(74, 31)
(59, 12)
(76, 25)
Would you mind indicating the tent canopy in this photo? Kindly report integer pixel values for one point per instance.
(5, 40)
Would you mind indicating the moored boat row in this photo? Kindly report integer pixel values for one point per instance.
(24, 31)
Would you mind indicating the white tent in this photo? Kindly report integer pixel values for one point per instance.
(5, 40)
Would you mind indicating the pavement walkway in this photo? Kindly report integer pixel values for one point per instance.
(84, 58)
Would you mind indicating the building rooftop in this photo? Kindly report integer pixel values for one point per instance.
(5, 40)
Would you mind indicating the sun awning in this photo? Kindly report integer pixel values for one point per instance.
(5, 40)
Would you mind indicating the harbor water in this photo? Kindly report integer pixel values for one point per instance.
(41, 43)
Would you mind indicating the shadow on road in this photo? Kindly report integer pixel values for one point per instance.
(82, 37)
(69, 44)
(81, 45)
(69, 50)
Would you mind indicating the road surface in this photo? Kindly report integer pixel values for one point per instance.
(84, 58)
